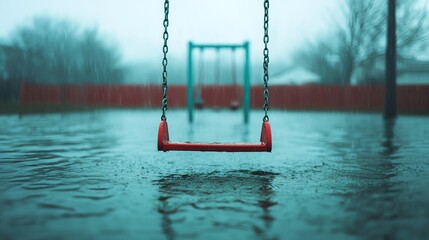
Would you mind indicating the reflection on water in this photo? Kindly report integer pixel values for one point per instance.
(389, 147)
(373, 194)
(217, 202)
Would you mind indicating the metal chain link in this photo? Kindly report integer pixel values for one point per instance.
(266, 60)
(164, 60)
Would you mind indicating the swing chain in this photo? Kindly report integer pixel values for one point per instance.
(164, 60)
(266, 60)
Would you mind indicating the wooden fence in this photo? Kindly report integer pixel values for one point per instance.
(411, 99)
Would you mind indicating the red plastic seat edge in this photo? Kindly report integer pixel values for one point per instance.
(266, 135)
(162, 135)
(264, 146)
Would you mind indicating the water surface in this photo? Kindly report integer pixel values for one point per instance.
(98, 175)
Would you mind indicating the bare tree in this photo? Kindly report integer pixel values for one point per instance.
(365, 32)
(56, 51)
(360, 39)
(321, 58)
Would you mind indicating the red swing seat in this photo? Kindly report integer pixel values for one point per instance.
(165, 145)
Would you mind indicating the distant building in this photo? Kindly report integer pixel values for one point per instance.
(410, 71)
(413, 72)
(295, 76)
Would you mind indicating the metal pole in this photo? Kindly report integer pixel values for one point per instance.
(390, 110)
(190, 88)
(246, 87)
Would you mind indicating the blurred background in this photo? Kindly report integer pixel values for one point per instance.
(329, 43)
(80, 102)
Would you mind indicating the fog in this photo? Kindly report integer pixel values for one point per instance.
(82, 93)
(312, 36)
(136, 26)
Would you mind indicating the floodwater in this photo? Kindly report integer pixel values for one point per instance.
(98, 175)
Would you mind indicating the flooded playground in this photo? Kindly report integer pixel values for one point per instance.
(98, 175)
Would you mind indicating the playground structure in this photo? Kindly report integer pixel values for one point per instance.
(164, 143)
(198, 101)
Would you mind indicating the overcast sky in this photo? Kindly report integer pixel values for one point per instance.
(136, 25)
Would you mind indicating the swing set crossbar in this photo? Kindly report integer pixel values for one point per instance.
(218, 46)
(165, 145)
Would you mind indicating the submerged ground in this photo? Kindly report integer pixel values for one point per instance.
(97, 174)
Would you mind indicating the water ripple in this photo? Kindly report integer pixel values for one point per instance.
(330, 176)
